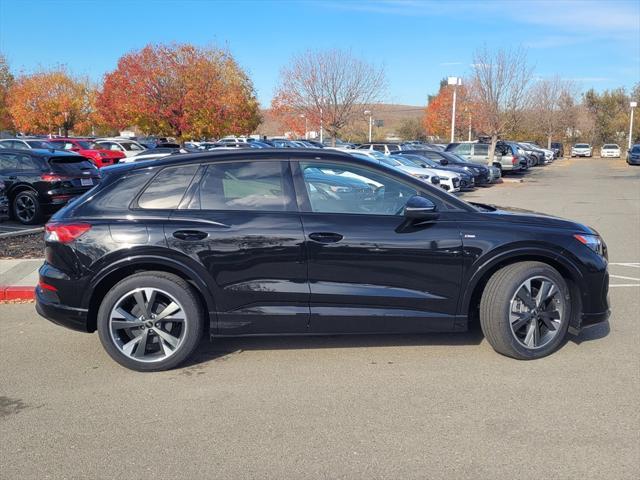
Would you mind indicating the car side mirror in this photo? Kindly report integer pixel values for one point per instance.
(444, 161)
(420, 208)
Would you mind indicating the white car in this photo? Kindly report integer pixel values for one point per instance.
(581, 150)
(610, 150)
(449, 181)
(124, 145)
(26, 144)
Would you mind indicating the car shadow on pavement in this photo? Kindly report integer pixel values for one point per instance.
(595, 332)
(221, 348)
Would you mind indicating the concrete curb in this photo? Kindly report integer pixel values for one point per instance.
(17, 292)
(21, 232)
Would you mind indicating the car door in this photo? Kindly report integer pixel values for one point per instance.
(370, 268)
(241, 222)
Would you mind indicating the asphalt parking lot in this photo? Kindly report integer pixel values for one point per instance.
(429, 406)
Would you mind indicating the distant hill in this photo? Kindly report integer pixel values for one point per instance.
(391, 115)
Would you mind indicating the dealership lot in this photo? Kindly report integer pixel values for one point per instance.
(428, 406)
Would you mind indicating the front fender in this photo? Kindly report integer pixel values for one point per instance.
(489, 261)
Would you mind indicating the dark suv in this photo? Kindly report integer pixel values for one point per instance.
(300, 241)
(40, 182)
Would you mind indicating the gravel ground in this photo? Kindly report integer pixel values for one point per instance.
(23, 246)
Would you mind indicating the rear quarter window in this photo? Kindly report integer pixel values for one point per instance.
(167, 188)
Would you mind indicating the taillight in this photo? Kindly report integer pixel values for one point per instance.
(514, 160)
(64, 232)
(50, 177)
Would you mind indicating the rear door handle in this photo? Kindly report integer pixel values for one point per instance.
(190, 235)
(325, 237)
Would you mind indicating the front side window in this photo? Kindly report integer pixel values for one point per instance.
(258, 185)
(168, 187)
(334, 188)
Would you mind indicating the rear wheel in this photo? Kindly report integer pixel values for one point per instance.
(26, 208)
(150, 321)
(525, 310)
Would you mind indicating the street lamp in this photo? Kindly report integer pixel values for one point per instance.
(633, 105)
(368, 112)
(306, 129)
(455, 81)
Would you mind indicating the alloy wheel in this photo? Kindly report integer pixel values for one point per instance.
(536, 312)
(25, 208)
(147, 325)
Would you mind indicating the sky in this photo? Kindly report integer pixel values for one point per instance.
(594, 43)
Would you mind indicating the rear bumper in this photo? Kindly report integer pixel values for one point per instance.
(73, 318)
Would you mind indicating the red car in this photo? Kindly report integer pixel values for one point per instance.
(87, 148)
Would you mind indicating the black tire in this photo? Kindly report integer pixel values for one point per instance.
(495, 309)
(176, 287)
(26, 208)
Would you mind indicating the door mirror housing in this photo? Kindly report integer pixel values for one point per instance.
(444, 161)
(420, 208)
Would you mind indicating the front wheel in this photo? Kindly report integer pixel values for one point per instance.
(525, 310)
(150, 321)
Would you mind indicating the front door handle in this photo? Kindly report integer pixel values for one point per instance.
(190, 235)
(325, 237)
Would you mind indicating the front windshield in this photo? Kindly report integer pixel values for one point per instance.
(635, 149)
(582, 145)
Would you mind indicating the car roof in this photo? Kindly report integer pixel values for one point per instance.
(42, 152)
(236, 154)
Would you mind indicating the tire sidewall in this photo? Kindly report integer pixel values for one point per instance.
(182, 293)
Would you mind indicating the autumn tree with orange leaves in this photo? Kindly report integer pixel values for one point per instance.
(47, 101)
(179, 90)
(6, 80)
(437, 118)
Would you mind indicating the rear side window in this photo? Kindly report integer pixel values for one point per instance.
(263, 186)
(167, 189)
(480, 149)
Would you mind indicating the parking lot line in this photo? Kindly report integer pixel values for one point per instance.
(625, 278)
(625, 285)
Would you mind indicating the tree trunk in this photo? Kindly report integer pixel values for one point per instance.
(492, 149)
(549, 142)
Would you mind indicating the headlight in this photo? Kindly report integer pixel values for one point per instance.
(592, 241)
(337, 189)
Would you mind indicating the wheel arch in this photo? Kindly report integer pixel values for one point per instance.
(21, 187)
(123, 268)
(470, 300)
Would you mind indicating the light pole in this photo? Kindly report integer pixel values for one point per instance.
(633, 105)
(455, 81)
(306, 129)
(368, 112)
(321, 127)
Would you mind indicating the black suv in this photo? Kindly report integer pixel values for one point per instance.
(40, 182)
(300, 241)
(558, 149)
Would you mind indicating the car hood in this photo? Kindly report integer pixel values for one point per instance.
(522, 216)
